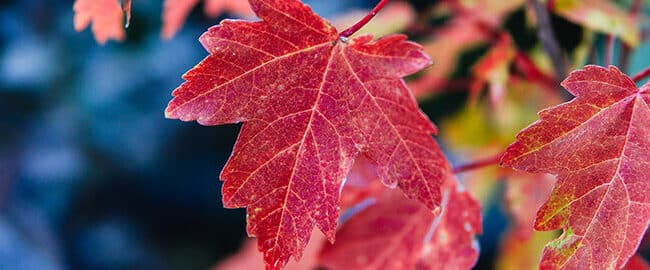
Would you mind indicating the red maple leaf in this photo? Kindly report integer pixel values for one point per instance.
(399, 233)
(598, 145)
(176, 11)
(311, 102)
(105, 15)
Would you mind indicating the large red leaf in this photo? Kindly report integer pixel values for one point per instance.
(398, 233)
(310, 103)
(598, 145)
(175, 12)
(105, 15)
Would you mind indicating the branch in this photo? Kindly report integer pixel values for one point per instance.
(354, 28)
(548, 40)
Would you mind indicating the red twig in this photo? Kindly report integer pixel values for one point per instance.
(641, 75)
(493, 160)
(354, 28)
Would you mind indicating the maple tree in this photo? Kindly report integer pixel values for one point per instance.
(332, 136)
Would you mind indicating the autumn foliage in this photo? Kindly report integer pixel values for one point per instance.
(337, 166)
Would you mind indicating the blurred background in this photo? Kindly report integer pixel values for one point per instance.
(92, 176)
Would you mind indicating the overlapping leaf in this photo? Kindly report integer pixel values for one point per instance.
(361, 183)
(398, 233)
(106, 16)
(310, 103)
(452, 245)
(599, 146)
(176, 11)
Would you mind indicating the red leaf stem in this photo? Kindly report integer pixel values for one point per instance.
(354, 28)
(641, 75)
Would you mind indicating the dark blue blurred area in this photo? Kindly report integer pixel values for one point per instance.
(92, 176)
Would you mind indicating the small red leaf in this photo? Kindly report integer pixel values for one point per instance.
(105, 15)
(176, 11)
(598, 145)
(174, 14)
(310, 104)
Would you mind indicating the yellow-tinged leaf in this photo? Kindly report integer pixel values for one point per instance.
(600, 15)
